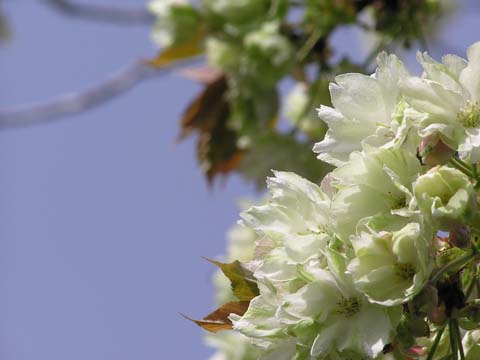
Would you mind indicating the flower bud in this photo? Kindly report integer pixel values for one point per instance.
(434, 151)
(447, 195)
(438, 315)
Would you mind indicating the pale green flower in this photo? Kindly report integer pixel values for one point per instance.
(259, 323)
(236, 12)
(366, 109)
(393, 258)
(346, 319)
(378, 181)
(177, 21)
(448, 94)
(293, 226)
(224, 55)
(445, 194)
(471, 345)
(268, 54)
(296, 217)
(322, 319)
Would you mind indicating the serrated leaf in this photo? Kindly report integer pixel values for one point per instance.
(244, 285)
(191, 48)
(218, 320)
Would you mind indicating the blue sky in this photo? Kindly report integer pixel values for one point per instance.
(103, 217)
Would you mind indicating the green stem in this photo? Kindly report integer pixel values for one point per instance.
(453, 339)
(477, 283)
(459, 339)
(472, 284)
(475, 171)
(435, 343)
(453, 264)
(308, 45)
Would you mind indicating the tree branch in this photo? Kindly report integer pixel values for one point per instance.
(75, 103)
(106, 13)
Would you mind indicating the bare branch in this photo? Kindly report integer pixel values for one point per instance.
(106, 13)
(75, 103)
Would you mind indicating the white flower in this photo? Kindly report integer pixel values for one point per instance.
(373, 182)
(393, 258)
(448, 94)
(343, 314)
(297, 216)
(364, 111)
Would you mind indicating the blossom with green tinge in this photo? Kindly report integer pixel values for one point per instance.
(177, 21)
(354, 268)
(366, 110)
(235, 13)
(268, 54)
(393, 258)
(445, 194)
(343, 314)
(378, 181)
(296, 217)
(223, 54)
(448, 94)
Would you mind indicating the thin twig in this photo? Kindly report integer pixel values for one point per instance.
(104, 13)
(78, 102)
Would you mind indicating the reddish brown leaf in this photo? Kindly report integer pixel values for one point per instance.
(207, 109)
(218, 320)
(208, 115)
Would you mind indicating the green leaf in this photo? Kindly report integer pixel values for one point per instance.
(244, 285)
(270, 150)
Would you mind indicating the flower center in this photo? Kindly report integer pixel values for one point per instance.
(405, 271)
(348, 307)
(469, 115)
